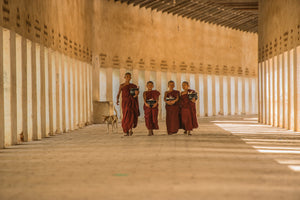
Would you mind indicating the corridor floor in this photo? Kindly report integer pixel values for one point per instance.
(225, 158)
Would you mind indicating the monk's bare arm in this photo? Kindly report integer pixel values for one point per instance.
(177, 98)
(119, 92)
(144, 96)
(165, 96)
(145, 99)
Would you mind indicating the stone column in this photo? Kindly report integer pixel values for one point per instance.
(236, 95)
(286, 89)
(75, 94)
(259, 88)
(297, 88)
(198, 91)
(13, 92)
(7, 87)
(158, 87)
(2, 120)
(80, 94)
(178, 81)
(147, 75)
(64, 94)
(205, 95)
(58, 90)
(275, 111)
(109, 85)
(25, 102)
(213, 92)
(84, 92)
(34, 92)
(250, 96)
(221, 95)
(88, 68)
(69, 93)
(264, 90)
(281, 91)
(229, 94)
(43, 91)
(291, 102)
(271, 97)
(96, 78)
(51, 91)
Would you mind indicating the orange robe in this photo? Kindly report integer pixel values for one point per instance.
(173, 117)
(130, 108)
(188, 113)
(151, 113)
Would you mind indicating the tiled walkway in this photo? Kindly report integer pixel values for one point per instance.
(226, 158)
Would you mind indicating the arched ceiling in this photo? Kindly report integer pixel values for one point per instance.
(237, 14)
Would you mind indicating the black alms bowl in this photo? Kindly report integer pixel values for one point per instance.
(132, 91)
(193, 95)
(170, 98)
(151, 102)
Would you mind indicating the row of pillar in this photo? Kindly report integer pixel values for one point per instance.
(42, 92)
(279, 90)
(218, 94)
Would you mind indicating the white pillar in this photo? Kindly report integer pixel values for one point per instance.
(24, 88)
(260, 96)
(178, 81)
(297, 88)
(291, 90)
(197, 90)
(109, 85)
(286, 88)
(221, 95)
(2, 120)
(43, 91)
(58, 90)
(229, 94)
(158, 87)
(13, 92)
(205, 95)
(7, 87)
(213, 97)
(281, 91)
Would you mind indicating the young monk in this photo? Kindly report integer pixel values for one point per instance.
(188, 109)
(130, 105)
(172, 107)
(151, 110)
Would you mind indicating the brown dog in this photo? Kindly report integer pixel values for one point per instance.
(111, 120)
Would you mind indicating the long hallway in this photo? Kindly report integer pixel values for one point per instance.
(225, 158)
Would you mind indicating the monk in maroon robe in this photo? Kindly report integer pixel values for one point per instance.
(172, 107)
(130, 105)
(151, 98)
(188, 109)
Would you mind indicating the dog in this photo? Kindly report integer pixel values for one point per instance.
(111, 120)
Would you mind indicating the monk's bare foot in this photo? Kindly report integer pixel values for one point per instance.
(130, 132)
(189, 133)
(126, 134)
(149, 133)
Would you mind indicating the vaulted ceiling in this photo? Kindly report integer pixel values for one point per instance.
(237, 14)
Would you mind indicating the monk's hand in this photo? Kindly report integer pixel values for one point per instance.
(136, 93)
(155, 105)
(147, 105)
(194, 100)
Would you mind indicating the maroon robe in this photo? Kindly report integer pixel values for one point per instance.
(188, 113)
(151, 113)
(172, 118)
(130, 108)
